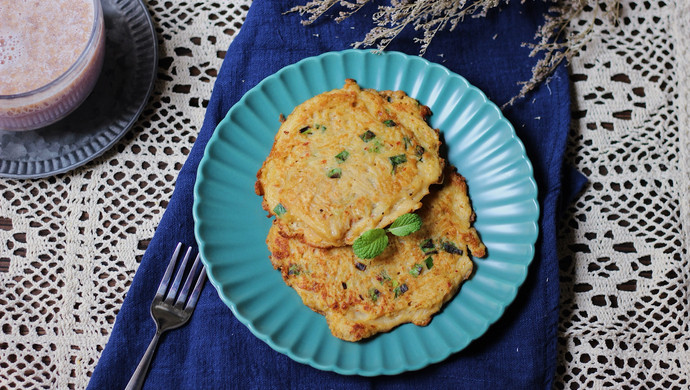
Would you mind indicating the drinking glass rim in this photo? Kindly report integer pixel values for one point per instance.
(97, 21)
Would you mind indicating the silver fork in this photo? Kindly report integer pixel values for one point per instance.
(167, 312)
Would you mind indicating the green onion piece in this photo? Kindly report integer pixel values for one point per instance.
(383, 277)
(429, 261)
(400, 290)
(377, 146)
(279, 210)
(320, 126)
(295, 269)
(428, 246)
(342, 156)
(335, 173)
(389, 123)
(367, 136)
(374, 294)
(419, 151)
(407, 142)
(416, 270)
(306, 130)
(451, 248)
(397, 160)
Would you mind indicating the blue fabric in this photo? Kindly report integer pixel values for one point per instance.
(215, 351)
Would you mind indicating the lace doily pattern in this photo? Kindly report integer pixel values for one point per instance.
(61, 290)
(624, 254)
(623, 247)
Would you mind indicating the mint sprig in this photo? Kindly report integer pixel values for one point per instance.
(373, 242)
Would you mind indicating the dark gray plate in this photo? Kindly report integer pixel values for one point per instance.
(124, 86)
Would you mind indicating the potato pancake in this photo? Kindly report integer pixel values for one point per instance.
(347, 161)
(408, 282)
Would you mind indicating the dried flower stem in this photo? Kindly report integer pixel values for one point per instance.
(432, 16)
(555, 46)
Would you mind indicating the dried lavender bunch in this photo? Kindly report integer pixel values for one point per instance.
(556, 38)
(430, 16)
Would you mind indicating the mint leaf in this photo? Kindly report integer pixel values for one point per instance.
(406, 224)
(373, 242)
(370, 244)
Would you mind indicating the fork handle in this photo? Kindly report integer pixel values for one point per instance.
(137, 380)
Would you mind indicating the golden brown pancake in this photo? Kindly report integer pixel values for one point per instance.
(347, 161)
(408, 282)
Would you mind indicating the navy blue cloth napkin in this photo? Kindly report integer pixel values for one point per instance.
(215, 351)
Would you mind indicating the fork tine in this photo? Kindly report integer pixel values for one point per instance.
(197, 289)
(168, 272)
(187, 283)
(178, 277)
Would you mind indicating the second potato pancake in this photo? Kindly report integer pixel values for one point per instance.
(409, 282)
(347, 161)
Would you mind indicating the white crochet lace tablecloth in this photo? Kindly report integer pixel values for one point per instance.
(71, 243)
(625, 278)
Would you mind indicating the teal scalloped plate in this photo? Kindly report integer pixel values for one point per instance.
(231, 226)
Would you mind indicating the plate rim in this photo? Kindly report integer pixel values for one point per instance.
(334, 367)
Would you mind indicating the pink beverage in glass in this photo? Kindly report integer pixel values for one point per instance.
(51, 54)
